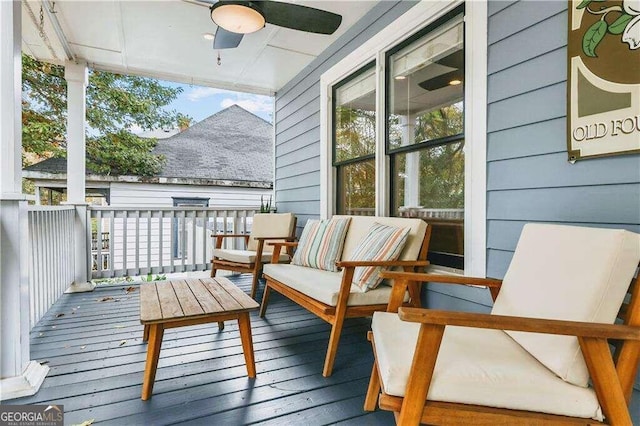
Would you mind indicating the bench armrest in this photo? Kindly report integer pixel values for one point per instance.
(442, 279)
(390, 263)
(277, 248)
(492, 284)
(533, 325)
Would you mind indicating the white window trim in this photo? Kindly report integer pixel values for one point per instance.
(409, 23)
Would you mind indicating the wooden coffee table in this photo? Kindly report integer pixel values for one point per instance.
(178, 303)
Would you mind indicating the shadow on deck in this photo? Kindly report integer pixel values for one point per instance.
(93, 344)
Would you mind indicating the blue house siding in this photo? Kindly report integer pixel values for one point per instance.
(528, 176)
(297, 117)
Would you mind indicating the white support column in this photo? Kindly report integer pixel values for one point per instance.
(77, 77)
(19, 376)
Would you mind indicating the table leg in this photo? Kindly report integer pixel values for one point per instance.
(244, 324)
(156, 331)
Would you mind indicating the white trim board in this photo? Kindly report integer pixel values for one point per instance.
(374, 49)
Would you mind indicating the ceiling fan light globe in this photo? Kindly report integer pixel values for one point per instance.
(237, 18)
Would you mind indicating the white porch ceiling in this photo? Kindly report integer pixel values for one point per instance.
(164, 39)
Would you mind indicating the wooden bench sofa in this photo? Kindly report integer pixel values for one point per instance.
(331, 295)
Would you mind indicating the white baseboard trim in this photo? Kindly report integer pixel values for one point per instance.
(28, 383)
(81, 287)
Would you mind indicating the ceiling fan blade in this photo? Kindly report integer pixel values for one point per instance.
(299, 17)
(226, 39)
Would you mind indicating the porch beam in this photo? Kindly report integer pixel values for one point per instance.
(19, 376)
(77, 76)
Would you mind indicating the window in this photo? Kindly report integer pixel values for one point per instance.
(425, 133)
(430, 150)
(354, 142)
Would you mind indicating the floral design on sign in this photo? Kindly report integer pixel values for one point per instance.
(614, 20)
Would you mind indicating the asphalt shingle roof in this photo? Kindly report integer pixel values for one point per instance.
(232, 144)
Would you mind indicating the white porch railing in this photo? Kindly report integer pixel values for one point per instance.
(51, 256)
(133, 241)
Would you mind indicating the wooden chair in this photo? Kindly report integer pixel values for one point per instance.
(330, 295)
(569, 284)
(266, 227)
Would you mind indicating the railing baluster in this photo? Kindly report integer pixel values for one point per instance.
(99, 242)
(183, 239)
(125, 263)
(174, 242)
(194, 214)
(161, 237)
(112, 243)
(137, 242)
(149, 241)
(205, 221)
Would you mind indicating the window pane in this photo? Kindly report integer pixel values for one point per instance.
(355, 117)
(426, 87)
(356, 188)
(429, 184)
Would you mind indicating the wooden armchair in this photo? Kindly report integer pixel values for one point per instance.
(266, 227)
(569, 284)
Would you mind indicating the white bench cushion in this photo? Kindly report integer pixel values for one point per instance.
(478, 366)
(568, 273)
(245, 256)
(324, 286)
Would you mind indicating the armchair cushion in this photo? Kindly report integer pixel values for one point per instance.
(587, 282)
(382, 242)
(321, 243)
(324, 286)
(480, 367)
(245, 256)
(270, 225)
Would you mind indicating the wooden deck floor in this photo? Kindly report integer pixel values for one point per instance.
(93, 344)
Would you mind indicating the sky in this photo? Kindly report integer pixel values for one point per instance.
(200, 102)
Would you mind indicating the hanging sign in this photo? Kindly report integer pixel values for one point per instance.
(603, 90)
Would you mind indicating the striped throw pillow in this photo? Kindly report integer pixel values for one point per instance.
(321, 243)
(381, 243)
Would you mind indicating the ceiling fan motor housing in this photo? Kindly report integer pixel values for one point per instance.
(240, 17)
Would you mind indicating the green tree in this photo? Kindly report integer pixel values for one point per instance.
(356, 137)
(115, 103)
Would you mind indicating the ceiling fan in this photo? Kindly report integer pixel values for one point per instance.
(235, 18)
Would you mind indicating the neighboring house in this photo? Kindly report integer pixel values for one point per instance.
(224, 161)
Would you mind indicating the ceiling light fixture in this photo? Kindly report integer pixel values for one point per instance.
(455, 82)
(400, 77)
(241, 17)
(208, 36)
